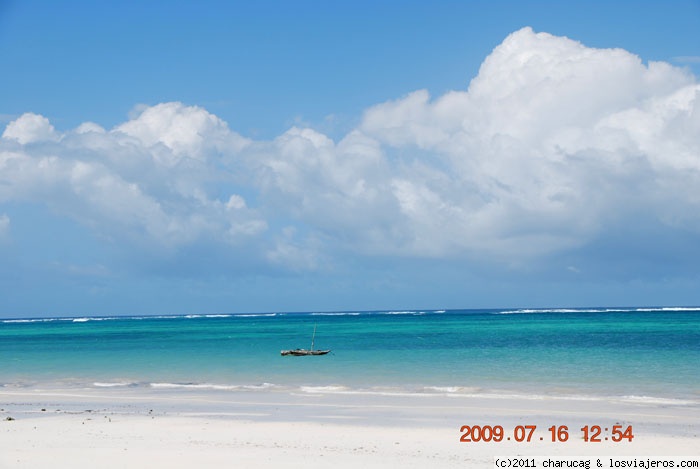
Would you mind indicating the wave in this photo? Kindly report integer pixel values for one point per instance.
(450, 389)
(81, 319)
(545, 311)
(476, 393)
(411, 313)
(323, 389)
(215, 387)
(598, 310)
(68, 319)
(657, 400)
(20, 321)
(125, 384)
(256, 315)
(335, 314)
(427, 391)
(443, 391)
(197, 316)
(376, 313)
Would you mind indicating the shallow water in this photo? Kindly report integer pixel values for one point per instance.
(651, 354)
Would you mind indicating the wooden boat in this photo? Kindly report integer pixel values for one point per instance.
(301, 352)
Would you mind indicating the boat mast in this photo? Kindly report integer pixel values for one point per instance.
(313, 337)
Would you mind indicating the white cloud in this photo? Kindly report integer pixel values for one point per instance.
(155, 181)
(549, 145)
(550, 141)
(86, 127)
(30, 128)
(187, 131)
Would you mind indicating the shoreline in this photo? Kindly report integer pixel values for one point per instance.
(126, 387)
(213, 428)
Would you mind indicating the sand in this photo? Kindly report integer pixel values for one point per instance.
(174, 428)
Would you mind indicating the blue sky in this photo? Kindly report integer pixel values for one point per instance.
(184, 157)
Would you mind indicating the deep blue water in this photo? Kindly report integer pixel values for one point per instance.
(602, 352)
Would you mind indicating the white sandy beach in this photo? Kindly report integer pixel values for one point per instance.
(135, 428)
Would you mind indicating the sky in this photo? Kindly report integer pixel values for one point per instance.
(207, 157)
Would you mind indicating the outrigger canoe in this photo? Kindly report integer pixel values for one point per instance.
(301, 352)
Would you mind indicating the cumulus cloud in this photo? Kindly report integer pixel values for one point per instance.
(549, 142)
(550, 145)
(186, 131)
(86, 127)
(30, 128)
(159, 192)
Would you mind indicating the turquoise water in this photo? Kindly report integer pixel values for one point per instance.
(652, 353)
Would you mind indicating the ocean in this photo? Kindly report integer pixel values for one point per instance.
(645, 354)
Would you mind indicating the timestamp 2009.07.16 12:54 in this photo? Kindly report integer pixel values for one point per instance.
(555, 433)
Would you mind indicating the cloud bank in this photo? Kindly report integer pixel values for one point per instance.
(548, 149)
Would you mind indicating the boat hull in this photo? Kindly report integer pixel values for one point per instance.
(303, 352)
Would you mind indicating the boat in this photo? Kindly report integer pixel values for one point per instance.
(302, 352)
